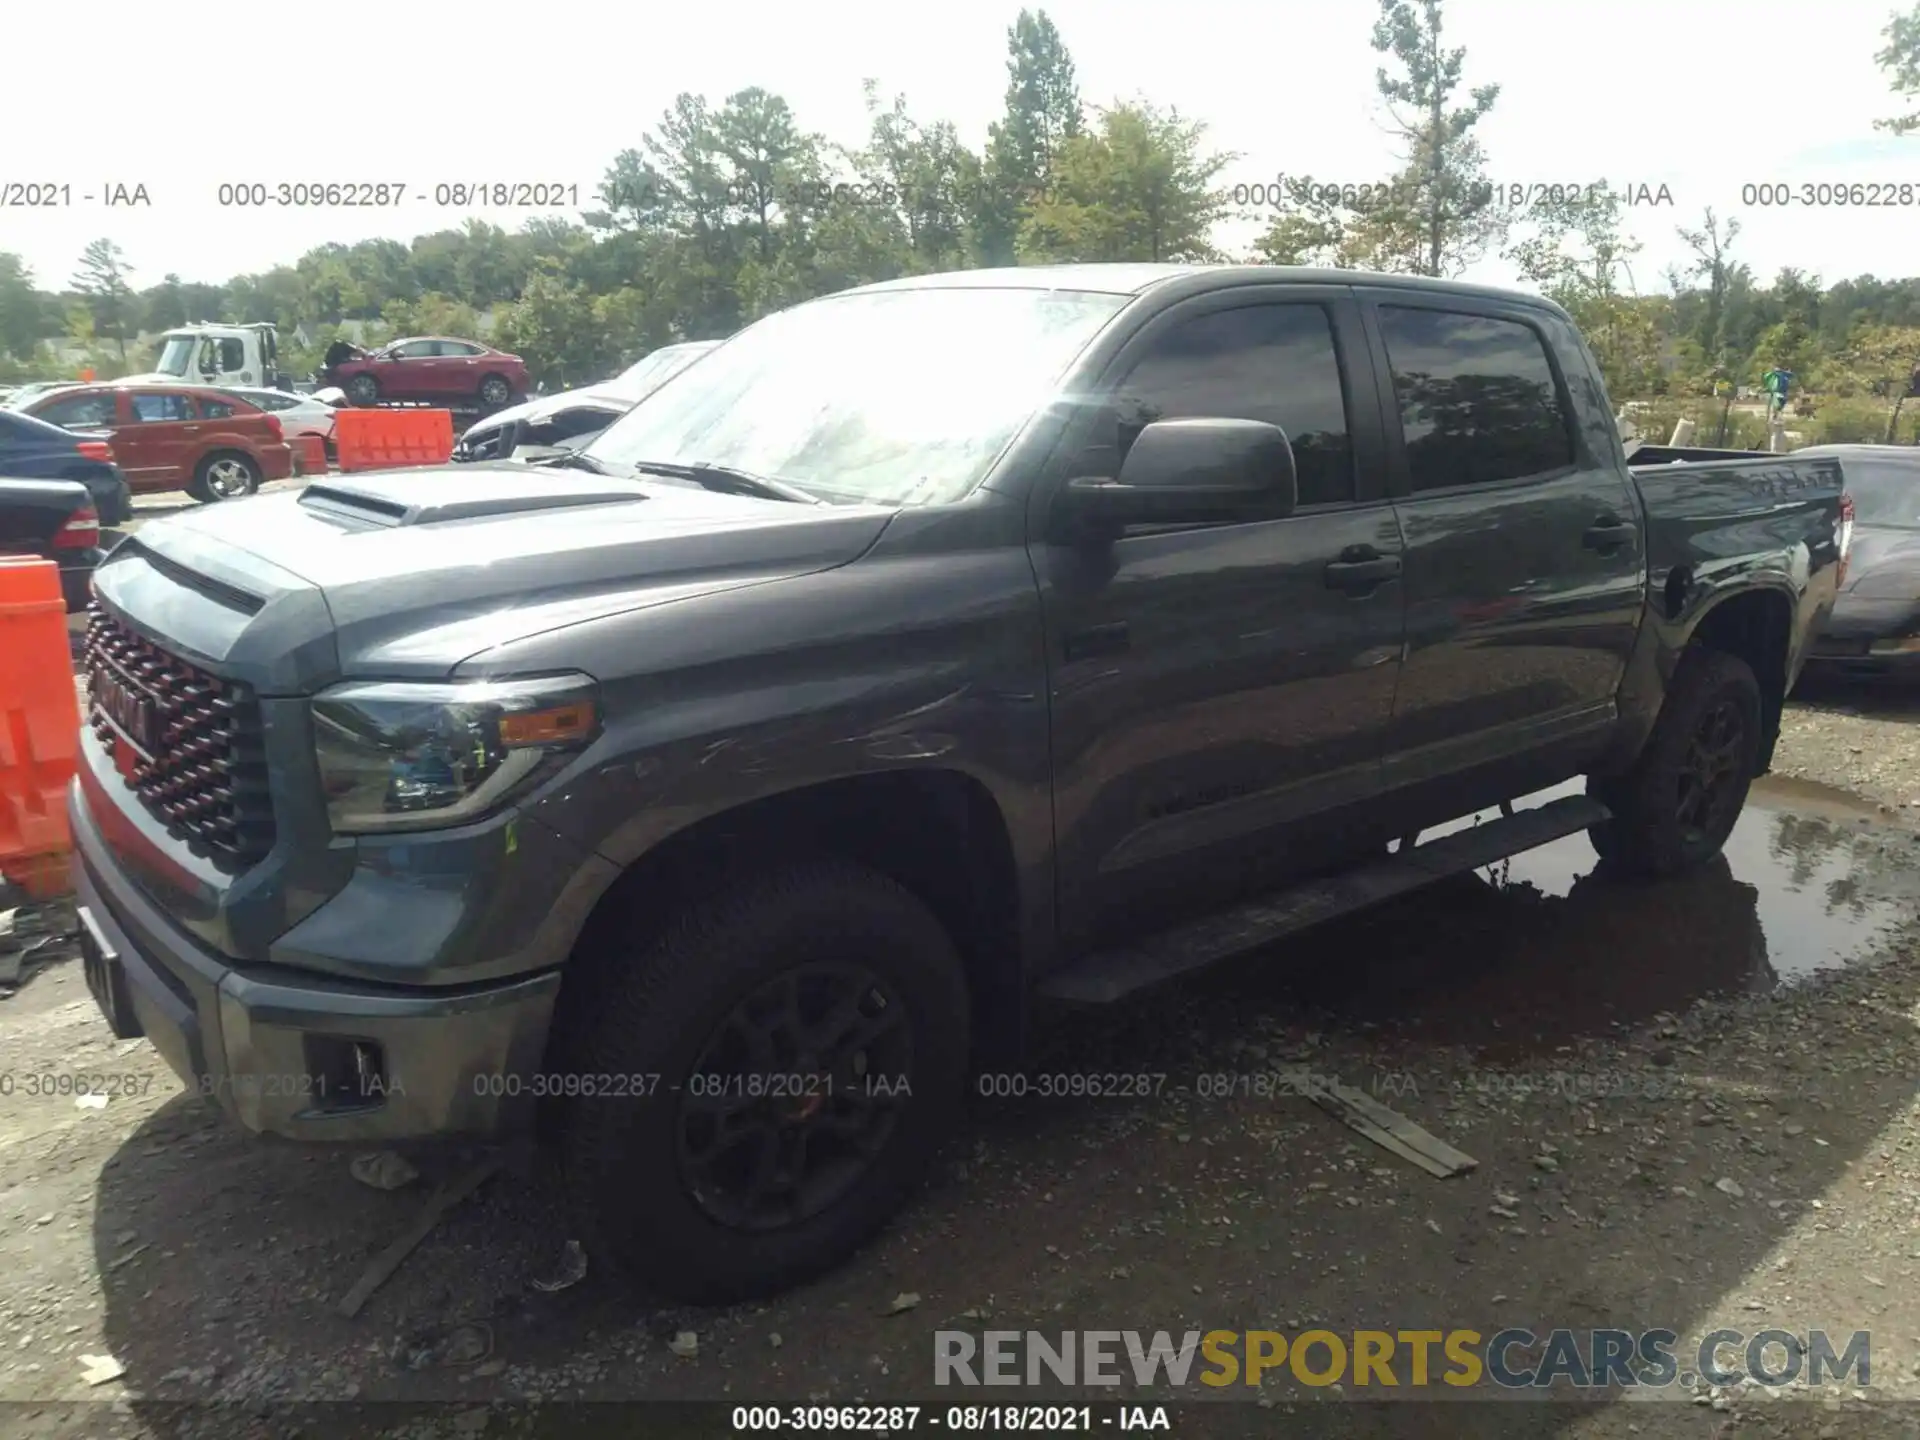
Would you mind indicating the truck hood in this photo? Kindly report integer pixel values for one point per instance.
(406, 574)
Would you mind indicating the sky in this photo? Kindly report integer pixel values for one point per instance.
(1704, 97)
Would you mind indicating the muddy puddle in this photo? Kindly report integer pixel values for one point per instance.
(1544, 949)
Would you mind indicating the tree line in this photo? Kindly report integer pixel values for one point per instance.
(726, 211)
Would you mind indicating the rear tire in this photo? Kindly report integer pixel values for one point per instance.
(495, 393)
(701, 1188)
(224, 475)
(1674, 810)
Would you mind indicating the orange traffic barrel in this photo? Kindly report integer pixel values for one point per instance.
(310, 454)
(385, 439)
(39, 727)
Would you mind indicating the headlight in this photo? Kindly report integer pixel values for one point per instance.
(399, 756)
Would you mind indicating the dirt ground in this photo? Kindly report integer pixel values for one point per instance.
(1693, 1105)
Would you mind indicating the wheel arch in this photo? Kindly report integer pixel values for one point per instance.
(937, 831)
(1756, 625)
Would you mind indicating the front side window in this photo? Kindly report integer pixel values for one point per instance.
(1478, 400)
(1275, 363)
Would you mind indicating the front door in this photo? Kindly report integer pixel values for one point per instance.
(1220, 691)
(1525, 572)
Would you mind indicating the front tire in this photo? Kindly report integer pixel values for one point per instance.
(1675, 809)
(363, 390)
(807, 1034)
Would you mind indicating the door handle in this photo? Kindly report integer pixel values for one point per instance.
(1607, 533)
(1362, 567)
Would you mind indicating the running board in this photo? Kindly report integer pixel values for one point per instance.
(1106, 976)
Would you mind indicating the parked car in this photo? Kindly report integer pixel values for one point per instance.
(21, 395)
(572, 417)
(427, 368)
(1875, 625)
(210, 443)
(297, 414)
(31, 449)
(955, 644)
(53, 520)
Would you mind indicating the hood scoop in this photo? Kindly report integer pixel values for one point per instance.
(470, 493)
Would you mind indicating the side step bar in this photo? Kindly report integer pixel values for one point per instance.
(1106, 976)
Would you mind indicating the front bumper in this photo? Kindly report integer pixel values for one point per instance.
(300, 1055)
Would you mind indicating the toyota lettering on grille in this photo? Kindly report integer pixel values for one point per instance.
(132, 713)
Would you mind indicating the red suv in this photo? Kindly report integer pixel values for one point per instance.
(213, 445)
(427, 368)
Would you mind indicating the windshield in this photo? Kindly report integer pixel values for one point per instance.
(892, 397)
(177, 354)
(645, 376)
(1883, 493)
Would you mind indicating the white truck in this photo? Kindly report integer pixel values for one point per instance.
(223, 355)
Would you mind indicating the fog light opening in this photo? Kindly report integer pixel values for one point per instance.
(348, 1073)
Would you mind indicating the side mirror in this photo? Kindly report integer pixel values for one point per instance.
(1185, 472)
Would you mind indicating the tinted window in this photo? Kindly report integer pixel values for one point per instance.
(1478, 402)
(418, 350)
(456, 347)
(1275, 363)
(78, 411)
(161, 407)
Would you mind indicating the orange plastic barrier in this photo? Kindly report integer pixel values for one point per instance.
(382, 439)
(309, 455)
(39, 728)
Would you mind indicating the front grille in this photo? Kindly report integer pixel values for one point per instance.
(188, 742)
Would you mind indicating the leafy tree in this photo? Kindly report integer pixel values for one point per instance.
(1139, 186)
(554, 326)
(102, 280)
(1901, 59)
(1042, 116)
(22, 317)
(1884, 361)
(1577, 252)
(1436, 214)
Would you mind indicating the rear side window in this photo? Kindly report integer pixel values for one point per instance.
(215, 409)
(1478, 400)
(161, 407)
(1275, 363)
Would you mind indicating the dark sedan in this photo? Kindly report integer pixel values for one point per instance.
(32, 449)
(1875, 626)
(53, 520)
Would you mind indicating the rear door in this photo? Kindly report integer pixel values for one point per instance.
(166, 433)
(1220, 692)
(1525, 576)
(460, 364)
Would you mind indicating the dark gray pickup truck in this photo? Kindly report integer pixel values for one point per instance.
(720, 800)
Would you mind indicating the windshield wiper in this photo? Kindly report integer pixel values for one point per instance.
(575, 460)
(726, 480)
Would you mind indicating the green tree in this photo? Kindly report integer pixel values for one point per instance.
(1576, 250)
(22, 315)
(1139, 186)
(555, 327)
(102, 280)
(1882, 360)
(1042, 115)
(1900, 58)
(1436, 214)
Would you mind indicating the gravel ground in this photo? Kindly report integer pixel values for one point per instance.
(1693, 1105)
